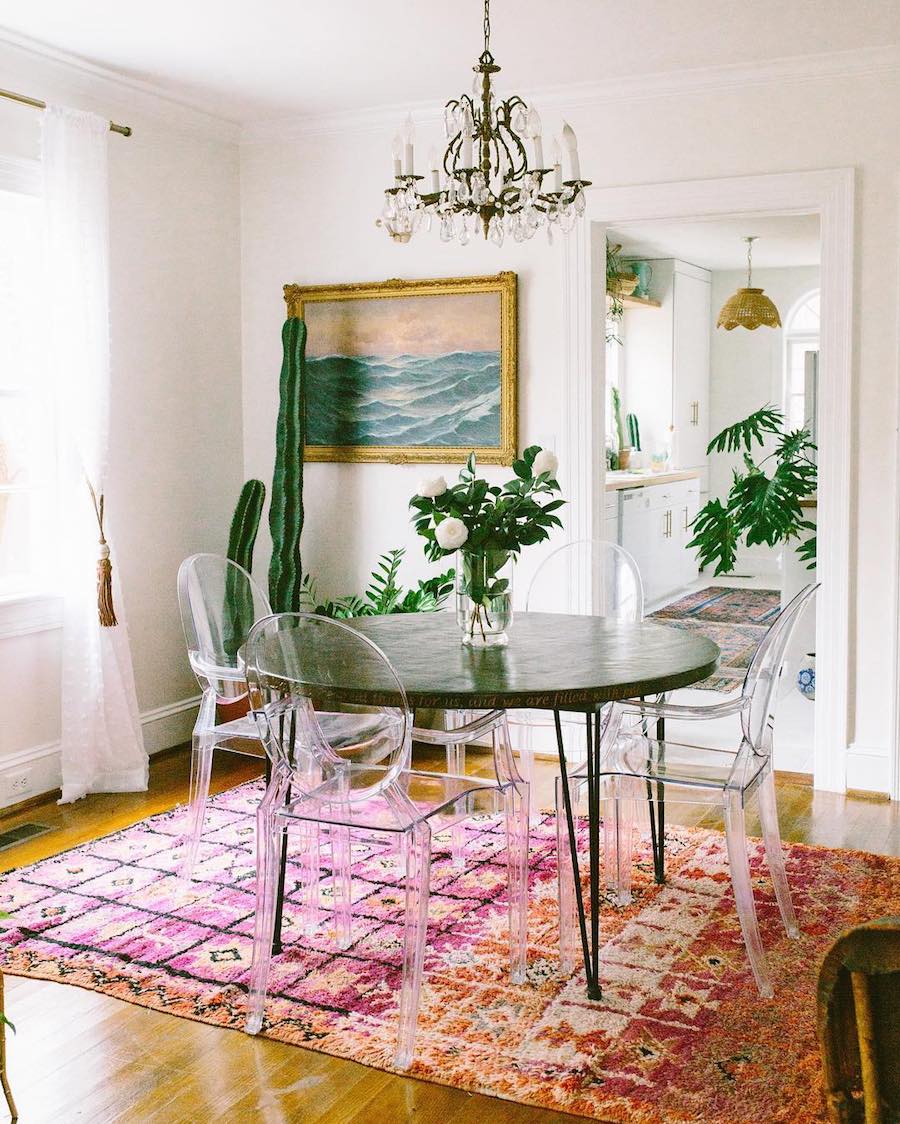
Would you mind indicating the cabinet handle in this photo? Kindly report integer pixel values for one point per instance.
(667, 529)
(687, 522)
(695, 413)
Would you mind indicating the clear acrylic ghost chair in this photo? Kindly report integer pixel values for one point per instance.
(219, 603)
(300, 668)
(638, 766)
(589, 575)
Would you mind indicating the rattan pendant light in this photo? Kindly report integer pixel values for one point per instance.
(749, 307)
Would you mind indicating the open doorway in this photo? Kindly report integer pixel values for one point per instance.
(674, 381)
(827, 194)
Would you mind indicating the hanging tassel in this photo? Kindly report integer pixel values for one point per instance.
(105, 609)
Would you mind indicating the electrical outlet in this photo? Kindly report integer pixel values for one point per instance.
(18, 784)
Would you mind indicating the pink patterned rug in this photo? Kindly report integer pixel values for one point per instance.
(680, 1035)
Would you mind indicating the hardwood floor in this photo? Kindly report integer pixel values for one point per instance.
(81, 1056)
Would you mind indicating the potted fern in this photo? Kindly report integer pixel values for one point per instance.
(764, 502)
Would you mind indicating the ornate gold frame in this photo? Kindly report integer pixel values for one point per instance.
(296, 297)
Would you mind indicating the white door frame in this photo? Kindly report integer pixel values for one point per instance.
(829, 194)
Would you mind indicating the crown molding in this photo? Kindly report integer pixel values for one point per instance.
(126, 95)
(800, 68)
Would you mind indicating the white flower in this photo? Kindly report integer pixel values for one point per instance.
(545, 461)
(433, 488)
(451, 533)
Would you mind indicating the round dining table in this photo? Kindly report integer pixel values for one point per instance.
(553, 662)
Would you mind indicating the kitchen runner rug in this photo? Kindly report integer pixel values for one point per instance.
(680, 1034)
(735, 619)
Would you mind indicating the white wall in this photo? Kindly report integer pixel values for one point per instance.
(747, 372)
(355, 512)
(175, 460)
(308, 204)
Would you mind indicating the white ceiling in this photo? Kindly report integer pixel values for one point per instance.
(784, 240)
(250, 61)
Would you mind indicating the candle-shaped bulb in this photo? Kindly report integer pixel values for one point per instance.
(435, 170)
(397, 151)
(571, 144)
(409, 135)
(557, 166)
(534, 132)
(467, 130)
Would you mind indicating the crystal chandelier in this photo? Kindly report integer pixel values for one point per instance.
(484, 180)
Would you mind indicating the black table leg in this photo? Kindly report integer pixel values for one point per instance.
(658, 829)
(277, 945)
(590, 940)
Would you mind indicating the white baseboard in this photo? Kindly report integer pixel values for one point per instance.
(869, 768)
(162, 726)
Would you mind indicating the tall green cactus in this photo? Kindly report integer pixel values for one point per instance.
(286, 504)
(241, 539)
(245, 523)
(634, 431)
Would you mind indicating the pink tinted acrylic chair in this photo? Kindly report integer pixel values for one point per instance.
(219, 603)
(637, 767)
(300, 668)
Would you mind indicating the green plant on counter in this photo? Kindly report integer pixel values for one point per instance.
(384, 594)
(617, 417)
(762, 507)
(634, 432)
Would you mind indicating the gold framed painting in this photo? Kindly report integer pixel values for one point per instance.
(410, 371)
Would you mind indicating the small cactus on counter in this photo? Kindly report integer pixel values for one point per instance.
(617, 417)
(634, 432)
(286, 504)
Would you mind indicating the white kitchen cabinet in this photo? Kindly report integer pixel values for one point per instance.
(654, 527)
(665, 365)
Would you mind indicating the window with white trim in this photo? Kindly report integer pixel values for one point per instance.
(27, 446)
(801, 334)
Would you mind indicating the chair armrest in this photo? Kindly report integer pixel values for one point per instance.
(483, 724)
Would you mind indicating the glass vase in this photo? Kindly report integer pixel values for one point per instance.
(484, 596)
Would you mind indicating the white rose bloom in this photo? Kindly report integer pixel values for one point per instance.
(451, 533)
(545, 461)
(431, 489)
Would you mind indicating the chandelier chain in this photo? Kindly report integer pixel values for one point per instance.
(487, 26)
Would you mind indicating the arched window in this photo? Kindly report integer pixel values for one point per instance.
(801, 337)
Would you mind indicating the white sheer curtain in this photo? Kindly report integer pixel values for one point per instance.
(102, 747)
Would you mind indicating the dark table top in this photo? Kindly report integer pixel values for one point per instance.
(552, 661)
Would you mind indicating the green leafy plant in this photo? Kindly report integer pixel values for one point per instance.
(383, 595)
(634, 432)
(615, 307)
(488, 524)
(763, 505)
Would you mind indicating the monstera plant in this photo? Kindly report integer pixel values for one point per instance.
(764, 502)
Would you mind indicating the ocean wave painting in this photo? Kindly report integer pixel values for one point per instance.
(405, 371)
(451, 399)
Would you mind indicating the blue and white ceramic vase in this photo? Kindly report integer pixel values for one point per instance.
(806, 677)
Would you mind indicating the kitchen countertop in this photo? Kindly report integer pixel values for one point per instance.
(617, 480)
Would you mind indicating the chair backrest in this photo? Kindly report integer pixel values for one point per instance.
(219, 603)
(761, 680)
(609, 576)
(858, 1023)
(328, 703)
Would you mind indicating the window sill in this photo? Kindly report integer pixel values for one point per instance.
(24, 613)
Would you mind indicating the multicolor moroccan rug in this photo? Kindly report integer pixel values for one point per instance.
(735, 619)
(680, 1034)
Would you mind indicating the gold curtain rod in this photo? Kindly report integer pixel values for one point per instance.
(123, 130)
